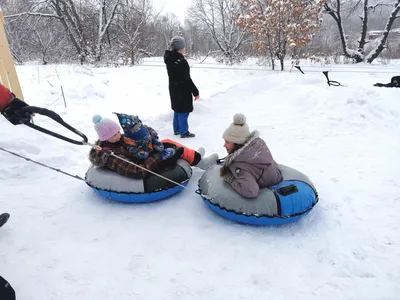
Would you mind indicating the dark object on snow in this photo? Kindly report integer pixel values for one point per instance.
(3, 220)
(395, 82)
(331, 82)
(299, 68)
(6, 290)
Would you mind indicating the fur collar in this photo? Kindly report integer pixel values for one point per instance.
(231, 157)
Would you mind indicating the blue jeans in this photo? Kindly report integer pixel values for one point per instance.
(181, 123)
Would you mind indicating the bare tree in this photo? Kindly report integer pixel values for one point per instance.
(219, 17)
(134, 17)
(71, 16)
(44, 37)
(334, 9)
(167, 26)
(104, 23)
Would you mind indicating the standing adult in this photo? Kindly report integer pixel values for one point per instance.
(181, 87)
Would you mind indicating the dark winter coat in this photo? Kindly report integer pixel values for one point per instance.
(106, 160)
(181, 86)
(251, 168)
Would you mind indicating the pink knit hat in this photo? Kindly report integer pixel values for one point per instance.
(105, 128)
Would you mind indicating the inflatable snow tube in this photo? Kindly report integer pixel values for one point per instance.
(283, 203)
(116, 187)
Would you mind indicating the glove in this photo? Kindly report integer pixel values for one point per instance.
(197, 98)
(15, 114)
(167, 153)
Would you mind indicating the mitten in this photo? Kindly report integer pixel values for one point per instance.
(173, 159)
(167, 153)
(137, 153)
(15, 114)
(157, 145)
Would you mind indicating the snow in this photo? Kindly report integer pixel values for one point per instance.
(64, 242)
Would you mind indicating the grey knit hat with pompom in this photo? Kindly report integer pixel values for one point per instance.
(238, 132)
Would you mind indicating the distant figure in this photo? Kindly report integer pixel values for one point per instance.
(395, 82)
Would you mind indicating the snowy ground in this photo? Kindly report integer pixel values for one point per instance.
(64, 242)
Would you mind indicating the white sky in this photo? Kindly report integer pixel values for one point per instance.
(178, 7)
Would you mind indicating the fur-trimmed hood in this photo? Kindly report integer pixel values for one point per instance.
(254, 151)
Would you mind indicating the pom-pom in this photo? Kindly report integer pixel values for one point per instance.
(96, 119)
(239, 119)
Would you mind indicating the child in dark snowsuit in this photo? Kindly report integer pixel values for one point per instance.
(144, 139)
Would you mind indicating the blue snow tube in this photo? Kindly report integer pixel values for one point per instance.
(283, 203)
(119, 188)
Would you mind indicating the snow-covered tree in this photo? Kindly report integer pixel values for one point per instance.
(277, 26)
(219, 17)
(76, 18)
(133, 19)
(335, 7)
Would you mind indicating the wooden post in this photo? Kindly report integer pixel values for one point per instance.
(8, 73)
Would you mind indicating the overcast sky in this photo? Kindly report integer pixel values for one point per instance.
(178, 7)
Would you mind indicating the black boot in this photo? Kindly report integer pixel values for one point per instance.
(188, 135)
(6, 290)
(4, 218)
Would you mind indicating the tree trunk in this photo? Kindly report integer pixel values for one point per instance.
(74, 39)
(364, 20)
(132, 57)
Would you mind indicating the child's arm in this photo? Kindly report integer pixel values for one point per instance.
(243, 183)
(137, 152)
(157, 145)
(127, 169)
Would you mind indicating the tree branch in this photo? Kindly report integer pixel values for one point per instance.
(351, 11)
(331, 12)
(32, 14)
(376, 5)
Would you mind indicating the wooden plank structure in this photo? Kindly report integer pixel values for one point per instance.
(8, 74)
